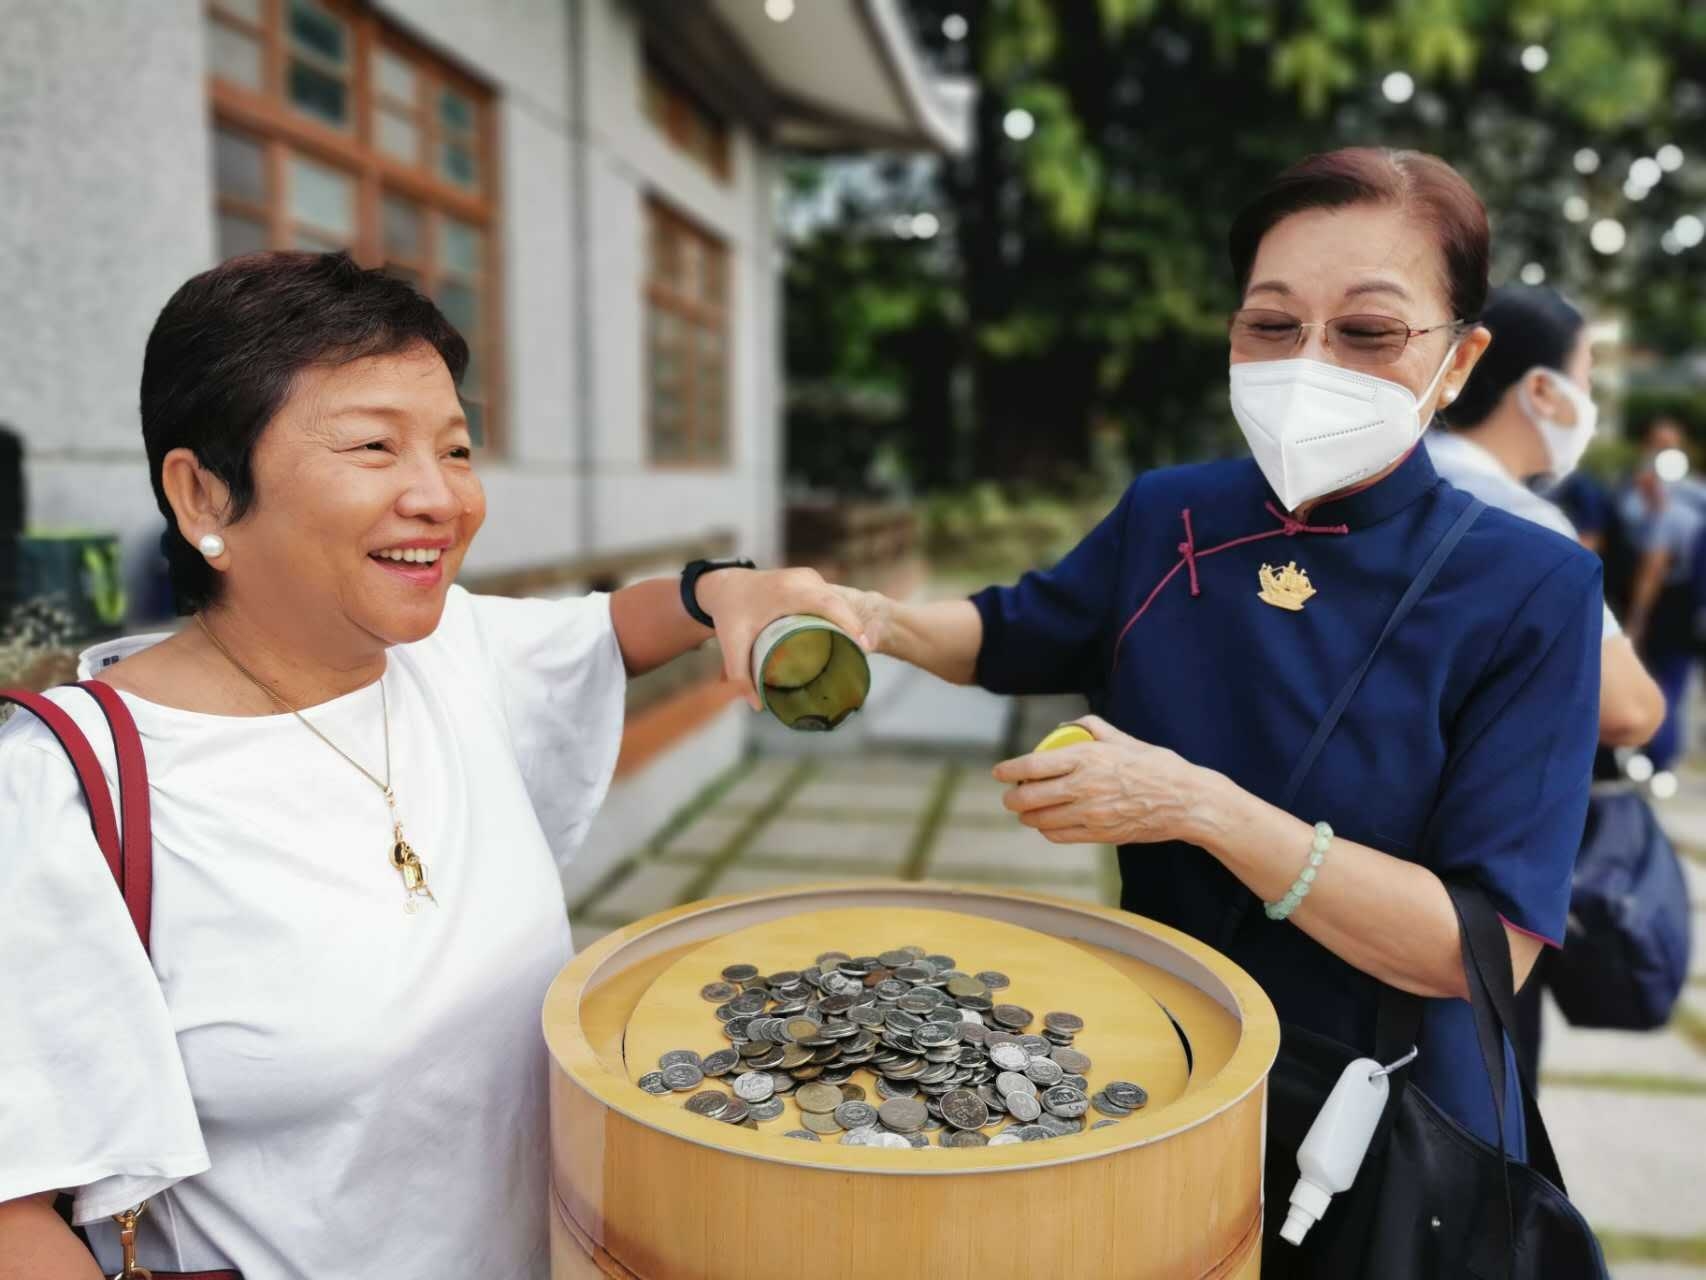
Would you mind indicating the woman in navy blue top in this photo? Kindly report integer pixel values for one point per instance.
(1216, 612)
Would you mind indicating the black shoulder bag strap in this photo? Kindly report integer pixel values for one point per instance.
(1336, 709)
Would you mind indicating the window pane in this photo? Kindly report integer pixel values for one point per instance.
(665, 344)
(393, 75)
(712, 267)
(401, 224)
(398, 136)
(239, 166)
(234, 55)
(239, 234)
(461, 306)
(461, 248)
(687, 277)
(455, 111)
(323, 198)
(320, 95)
(248, 10)
(663, 244)
(656, 98)
(456, 162)
(312, 28)
(320, 244)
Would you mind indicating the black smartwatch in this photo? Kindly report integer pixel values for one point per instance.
(690, 585)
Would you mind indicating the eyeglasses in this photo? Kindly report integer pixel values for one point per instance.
(1259, 334)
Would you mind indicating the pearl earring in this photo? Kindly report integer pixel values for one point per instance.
(211, 545)
(1450, 395)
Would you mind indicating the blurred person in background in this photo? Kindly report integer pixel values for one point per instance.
(1527, 415)
(1663, 518)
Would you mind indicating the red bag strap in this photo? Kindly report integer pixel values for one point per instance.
(130, 859)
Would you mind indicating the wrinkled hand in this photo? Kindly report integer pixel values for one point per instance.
(745, 601)
(1115, 790)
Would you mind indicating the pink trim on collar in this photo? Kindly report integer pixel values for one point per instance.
(1289, 527)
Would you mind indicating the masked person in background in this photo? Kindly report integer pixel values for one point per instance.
(1526, 413)
(1663, 516)
(1217, 614)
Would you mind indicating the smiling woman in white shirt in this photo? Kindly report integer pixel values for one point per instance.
(332, 1063)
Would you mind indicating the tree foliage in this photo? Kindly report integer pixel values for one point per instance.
(1079, 282)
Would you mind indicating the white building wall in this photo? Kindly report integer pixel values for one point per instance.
(106, 207)
(104, 210)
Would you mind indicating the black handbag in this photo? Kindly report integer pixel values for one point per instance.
(1625, 955)
(1431, 1199)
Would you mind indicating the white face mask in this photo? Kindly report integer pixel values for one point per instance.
(1315, 428)
(1565, 444)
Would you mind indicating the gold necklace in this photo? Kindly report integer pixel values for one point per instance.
(407, 862)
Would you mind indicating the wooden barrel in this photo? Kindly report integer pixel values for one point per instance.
(641, 1187)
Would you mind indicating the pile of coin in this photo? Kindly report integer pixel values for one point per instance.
(945, 1056)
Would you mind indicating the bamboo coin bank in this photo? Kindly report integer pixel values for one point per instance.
(900, 1078)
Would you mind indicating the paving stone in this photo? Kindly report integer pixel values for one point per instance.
(978, 796)
(758, 785)
(1634, 1162)
(885, 769)
(1647, 1053)
(1018, 852)
(707, 834)
(833, 843)
(912, 707)
(650, 886)
(1695, 873)
(1657, 1271)
(738, 879)
(831, 790)
(1685, 820)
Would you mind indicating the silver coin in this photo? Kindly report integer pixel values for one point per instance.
(1012, 1016)
(963, 1109)
(963, 1138)
(893, 1141)
(903, 1115)
(1103, 1124)
(769, 1109)
(711, 1102)
(804, 1135)
(1009, 1057)
(720, 1063)
(1123, 1093)
(1065, 1101)
(754, 1086)
(740, 973)
(1045, 1071)
(994, 979)
(737, 1112)
(1032, 1133)
(855, 1115)
(917, 1140)
(1024, 1107)
(1108, 1107)
(1060, 1126)
(718, 992)
(860, 1137)
(683, 1077)
(652, 1082)
(1065, 1023)
(1071, 1061)
(675, 1056)
(1005, 1138)
(1009, 1083)
(894, 959)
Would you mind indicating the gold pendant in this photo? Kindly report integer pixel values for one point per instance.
(413, 871)
(1285, 588)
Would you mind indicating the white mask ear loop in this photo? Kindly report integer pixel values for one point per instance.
(1434, 381)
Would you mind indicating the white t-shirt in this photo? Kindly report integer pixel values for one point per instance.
(348, 1090)
(1468, 466)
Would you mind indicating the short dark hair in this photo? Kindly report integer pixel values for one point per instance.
(227, 349)
(1533, 327)
(1423, 185)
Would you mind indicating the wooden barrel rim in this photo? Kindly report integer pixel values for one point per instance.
(1167, 948)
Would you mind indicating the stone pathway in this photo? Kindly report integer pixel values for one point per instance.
(904, 791)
